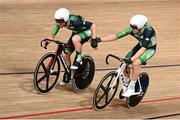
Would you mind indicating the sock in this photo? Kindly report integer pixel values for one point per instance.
(78, 56)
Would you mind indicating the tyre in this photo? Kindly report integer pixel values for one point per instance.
(46, 73)
(105, 90)
(84, 75)
(120, 94)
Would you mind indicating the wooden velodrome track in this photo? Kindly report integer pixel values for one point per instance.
(24, 23)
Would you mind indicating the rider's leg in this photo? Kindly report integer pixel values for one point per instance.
(136, 66)
(132, 53)
(78, 40)
(67, 56)
(66, 76)
(69, 50)
(134, 74)
(131, 85)
(78, 48)
(135, 70)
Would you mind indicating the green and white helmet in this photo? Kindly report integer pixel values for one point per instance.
(138, 21)
(62, 14)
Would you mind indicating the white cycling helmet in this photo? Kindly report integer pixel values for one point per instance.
(62, 14)
(138, 21)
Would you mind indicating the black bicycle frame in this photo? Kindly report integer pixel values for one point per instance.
(61, 57)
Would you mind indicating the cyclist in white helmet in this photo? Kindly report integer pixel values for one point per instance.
(143, 51)
(82, 31)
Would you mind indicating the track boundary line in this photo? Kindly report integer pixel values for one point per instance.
(100, 69)
(91, 108)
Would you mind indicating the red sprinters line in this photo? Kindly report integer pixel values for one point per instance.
(162, 99)
(48, 113)
(82, 109)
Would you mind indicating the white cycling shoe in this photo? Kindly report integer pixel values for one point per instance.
(76, 65)
(61, 83)
(129, 92)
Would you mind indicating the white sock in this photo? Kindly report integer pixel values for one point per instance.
(78, 56)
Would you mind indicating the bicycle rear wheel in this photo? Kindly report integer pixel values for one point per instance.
(105, 90)
(46, 73)
(134, 100)
(84, 75)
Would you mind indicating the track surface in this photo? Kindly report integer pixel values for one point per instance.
(24, 23)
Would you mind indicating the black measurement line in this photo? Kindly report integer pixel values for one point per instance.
(164, 116)
(98, 69)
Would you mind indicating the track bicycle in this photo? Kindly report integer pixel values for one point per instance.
(108, 86)
(48, 70)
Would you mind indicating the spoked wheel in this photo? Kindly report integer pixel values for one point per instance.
(46, 73)
(134, 100)
(84, 75)
(105, 90)
(120, 94)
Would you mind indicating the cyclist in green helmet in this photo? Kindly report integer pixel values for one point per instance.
(82, 31)
(143, 51)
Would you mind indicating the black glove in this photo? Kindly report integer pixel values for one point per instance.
(44, 43)
(94, 42)
(128, 61)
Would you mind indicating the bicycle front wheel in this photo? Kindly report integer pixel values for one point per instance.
(46, 73)
(106, 90)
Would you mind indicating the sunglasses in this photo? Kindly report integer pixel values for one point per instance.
(133, 26)
(59, 20)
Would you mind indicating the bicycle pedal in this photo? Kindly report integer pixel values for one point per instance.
(136, 93)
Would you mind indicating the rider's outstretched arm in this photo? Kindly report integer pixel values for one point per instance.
(55, 30)
(119, 35)
(53, 36)
(109, 38)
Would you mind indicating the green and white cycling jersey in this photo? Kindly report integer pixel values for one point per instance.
(146, 38)
(79, 26)
(76, 24)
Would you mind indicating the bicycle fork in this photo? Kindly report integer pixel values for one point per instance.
(120, 76)
(124, 81)
(51, 65)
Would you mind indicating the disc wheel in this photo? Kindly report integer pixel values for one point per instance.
(134, 100)
(83, 77)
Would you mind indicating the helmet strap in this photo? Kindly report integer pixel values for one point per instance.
(142, 30)
(67, 23)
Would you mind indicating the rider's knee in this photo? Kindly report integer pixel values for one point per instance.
(67, 55)
(136, 64)
(75, 38)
